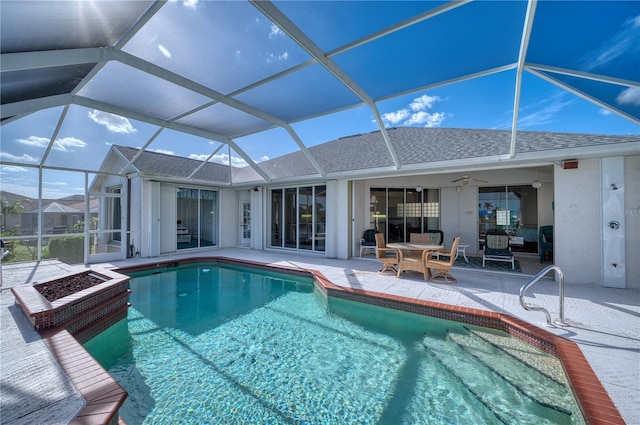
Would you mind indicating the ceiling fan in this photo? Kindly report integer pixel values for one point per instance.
(465, 180)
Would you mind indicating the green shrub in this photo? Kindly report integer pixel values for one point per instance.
(68, 249)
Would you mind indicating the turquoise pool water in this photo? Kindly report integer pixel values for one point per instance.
(209, 344)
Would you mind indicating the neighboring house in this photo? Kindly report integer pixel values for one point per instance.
(461, 181)
(57, 218)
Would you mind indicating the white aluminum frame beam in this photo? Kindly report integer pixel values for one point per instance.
(276, 16)
(522, 57)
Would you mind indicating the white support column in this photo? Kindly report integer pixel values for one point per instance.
(337, 219)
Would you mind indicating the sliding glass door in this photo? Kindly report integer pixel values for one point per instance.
(398, 212)
(298, 218)
(196, 218)
(509, 209)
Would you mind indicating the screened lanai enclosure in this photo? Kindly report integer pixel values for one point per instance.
(241, 97)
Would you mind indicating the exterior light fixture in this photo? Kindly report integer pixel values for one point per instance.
(536, 183)
(418, 188)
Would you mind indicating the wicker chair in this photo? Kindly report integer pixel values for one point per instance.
(431, 237)
(387, 256)
(441, 267)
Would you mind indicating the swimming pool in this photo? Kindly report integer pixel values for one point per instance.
(222, 344)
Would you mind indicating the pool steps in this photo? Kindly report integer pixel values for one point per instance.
(526, 379)
(490, 389)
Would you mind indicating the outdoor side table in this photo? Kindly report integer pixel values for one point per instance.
(462, 249)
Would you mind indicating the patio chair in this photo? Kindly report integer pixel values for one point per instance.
(368, 240)
(496, 248)
(545, 241)
(387, 256)
(430, 237)
(441, 267)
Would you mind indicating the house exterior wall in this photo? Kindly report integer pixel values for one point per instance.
(578, 215)
(577, 247)
(150, 219)
(229, 218)
(258, 218)
(339, 213)
(632, 219)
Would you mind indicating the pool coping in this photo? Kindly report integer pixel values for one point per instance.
(595, 403)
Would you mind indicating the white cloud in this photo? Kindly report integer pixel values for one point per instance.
(276, 58)
(545, 111)
(67, 144)
(604, 112)
(426, 119)
(164, 151)
(188, 3)
(199, 157)
(223, 158)
(393, 118)
(22, 158)
(35, 141)
(13, 169)
(114, 123)
(624, 42)
(416, 113)
(275, 31)
(630, 96)
(48, 183)
(423, 102)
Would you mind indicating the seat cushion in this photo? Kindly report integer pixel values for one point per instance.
(491, 252)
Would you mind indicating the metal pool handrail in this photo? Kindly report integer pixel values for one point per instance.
(528, 307)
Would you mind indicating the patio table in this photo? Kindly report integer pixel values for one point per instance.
(408, 262)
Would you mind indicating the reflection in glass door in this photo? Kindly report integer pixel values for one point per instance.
(298, 218)
(396, 212)
(509, 209)
(196, 218)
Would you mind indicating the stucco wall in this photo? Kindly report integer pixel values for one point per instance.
(577, 243)
(228, 220)
(632, 219)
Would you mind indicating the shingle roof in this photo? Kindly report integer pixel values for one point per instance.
(175, 166)
(412, 145)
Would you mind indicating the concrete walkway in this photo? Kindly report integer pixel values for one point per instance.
(34, 388)
(604, 322)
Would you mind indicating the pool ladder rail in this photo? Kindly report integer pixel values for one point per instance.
(529, 307)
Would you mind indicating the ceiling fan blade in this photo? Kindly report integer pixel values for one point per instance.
(481, 181)
(457, 180)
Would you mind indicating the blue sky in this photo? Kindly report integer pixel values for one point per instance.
(415, 61)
